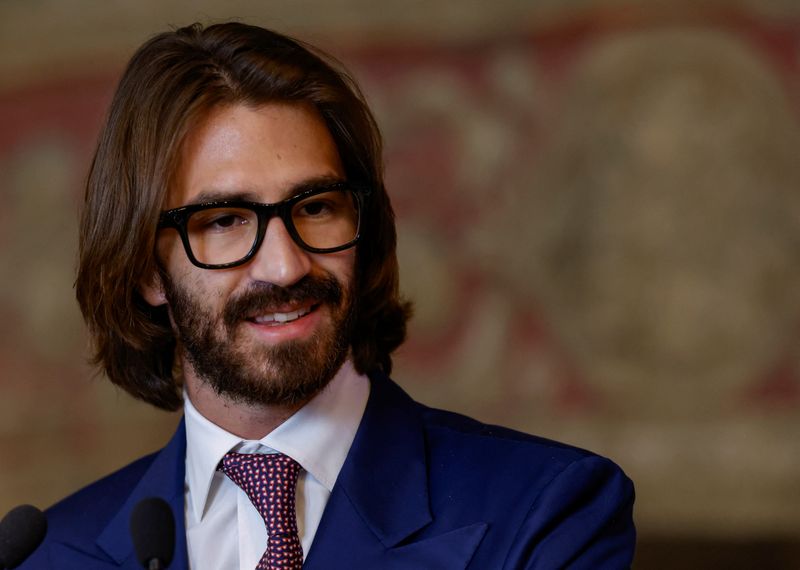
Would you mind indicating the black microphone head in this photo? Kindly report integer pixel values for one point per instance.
(21, 532)
(153, 531)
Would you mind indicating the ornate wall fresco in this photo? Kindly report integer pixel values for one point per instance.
(601, 226)
(599, 222)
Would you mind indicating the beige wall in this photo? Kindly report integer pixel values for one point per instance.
(599, 220)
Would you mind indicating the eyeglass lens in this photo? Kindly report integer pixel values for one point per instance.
(226, 234)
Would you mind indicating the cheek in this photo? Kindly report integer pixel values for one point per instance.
(341, 265)
(170, 252)
(210, 289)
(184, 274)
(205, 287)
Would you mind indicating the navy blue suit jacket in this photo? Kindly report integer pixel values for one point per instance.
(421, 489)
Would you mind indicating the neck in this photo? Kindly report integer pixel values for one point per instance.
(248, 421)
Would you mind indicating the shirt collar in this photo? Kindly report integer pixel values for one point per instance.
(318, 436)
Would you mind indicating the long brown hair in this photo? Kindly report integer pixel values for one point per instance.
(169, 84)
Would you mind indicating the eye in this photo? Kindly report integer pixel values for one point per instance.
(314, 208)
(326, 205)
(219, 220)
(227, 221)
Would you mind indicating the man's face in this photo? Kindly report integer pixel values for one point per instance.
(275, 330)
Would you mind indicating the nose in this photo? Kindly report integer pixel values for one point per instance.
(279, 260)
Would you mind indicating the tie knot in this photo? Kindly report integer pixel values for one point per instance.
(269, 480)
(274, 466)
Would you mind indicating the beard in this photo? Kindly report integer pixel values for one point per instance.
(286, 374)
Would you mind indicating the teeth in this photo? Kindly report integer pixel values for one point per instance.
(282, 317)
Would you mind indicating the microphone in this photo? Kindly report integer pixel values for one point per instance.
(153, 533)
(21, 532)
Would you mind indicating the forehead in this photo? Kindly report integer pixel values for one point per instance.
(261, 153)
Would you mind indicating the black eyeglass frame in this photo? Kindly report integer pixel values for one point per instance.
(177, 218)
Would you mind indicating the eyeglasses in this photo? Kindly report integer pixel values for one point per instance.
(220, 235)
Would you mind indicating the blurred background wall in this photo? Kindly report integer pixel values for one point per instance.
(599, 215)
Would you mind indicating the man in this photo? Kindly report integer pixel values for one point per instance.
(237, 259)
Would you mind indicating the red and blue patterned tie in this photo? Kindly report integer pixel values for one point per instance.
(270, 482)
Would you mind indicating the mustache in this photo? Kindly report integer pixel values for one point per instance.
(262, 297)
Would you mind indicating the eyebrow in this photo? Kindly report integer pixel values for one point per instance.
(219, 195)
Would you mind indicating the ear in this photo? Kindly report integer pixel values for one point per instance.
(152, 290)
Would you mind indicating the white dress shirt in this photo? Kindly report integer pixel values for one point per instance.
(223, 529)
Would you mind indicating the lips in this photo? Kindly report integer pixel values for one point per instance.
(280, 318)
(267, 304)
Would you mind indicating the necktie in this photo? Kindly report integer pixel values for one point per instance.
(270, 482)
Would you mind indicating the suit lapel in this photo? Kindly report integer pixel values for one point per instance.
(380, 499)
(165, 479)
